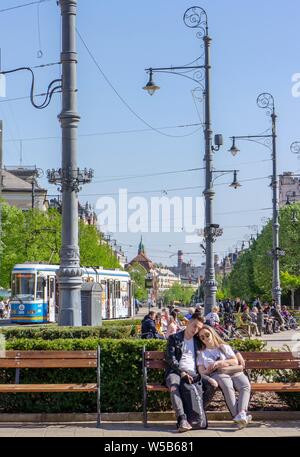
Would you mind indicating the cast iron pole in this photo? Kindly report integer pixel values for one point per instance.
(69, 272)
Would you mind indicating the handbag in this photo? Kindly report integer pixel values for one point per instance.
(232, 369)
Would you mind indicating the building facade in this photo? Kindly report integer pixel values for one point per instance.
(289, 188)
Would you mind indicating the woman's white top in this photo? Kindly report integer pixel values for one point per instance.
(207, 356)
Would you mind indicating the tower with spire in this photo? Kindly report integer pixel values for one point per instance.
(141, 249)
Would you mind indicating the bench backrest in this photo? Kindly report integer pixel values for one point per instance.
(49, 359)
(254, 360)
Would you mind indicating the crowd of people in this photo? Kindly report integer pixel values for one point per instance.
(4, 309)
(226, 317)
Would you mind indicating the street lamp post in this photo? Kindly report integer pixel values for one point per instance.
(196, 17)
(266, 101)
(69, 177)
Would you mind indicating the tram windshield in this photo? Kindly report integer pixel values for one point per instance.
(23, 285)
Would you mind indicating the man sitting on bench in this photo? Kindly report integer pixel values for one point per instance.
(181, 357)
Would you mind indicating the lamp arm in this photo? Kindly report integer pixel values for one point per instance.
(198, 81)
(253, 140)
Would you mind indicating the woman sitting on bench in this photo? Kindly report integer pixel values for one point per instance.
(217, 360)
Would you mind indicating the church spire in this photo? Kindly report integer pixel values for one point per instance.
(141, 249)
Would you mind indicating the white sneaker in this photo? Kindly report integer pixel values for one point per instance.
(249, 418)
(241, 419)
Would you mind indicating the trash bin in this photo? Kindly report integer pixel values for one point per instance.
(91, 309)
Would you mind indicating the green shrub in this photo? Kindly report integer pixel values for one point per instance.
(121, 323)
(121, 376)
(55, 332)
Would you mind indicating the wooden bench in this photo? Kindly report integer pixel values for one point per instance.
(254, 360)
(52, 359)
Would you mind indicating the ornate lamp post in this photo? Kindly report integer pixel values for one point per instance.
(266, 101)
(196, 17)
(69, 177)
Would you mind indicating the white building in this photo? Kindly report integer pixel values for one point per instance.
(165, 279)
(289, 188)
(23, 192)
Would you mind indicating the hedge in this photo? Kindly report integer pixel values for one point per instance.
(120, 323)
(121, 377)
(55, 332)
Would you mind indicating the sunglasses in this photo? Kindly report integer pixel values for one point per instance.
(204, 336)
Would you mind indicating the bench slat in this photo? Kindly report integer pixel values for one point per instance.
(156, 364)
(48, 388)
(275, 365)
(48, 363)
(269, 356)
(50, 354)
(263, 387)
(276, 387)
(154, 355)
(158, 355)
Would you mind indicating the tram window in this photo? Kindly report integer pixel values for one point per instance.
(40, 284)
(23, 284)
(117, 289)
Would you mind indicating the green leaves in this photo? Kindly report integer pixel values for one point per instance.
(179, 293)
(252, 273)
(35, 236)
(137, 274)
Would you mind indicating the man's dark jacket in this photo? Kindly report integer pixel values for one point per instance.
(148, 328)
(174, 352)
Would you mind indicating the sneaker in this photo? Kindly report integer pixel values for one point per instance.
(184, 426)
(241, 419)
(249, 418)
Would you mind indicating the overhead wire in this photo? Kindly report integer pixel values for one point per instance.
(4, 10)
(122, 99)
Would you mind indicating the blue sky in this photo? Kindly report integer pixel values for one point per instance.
(255, 48)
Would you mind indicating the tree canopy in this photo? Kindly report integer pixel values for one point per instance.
(252, 273)
(35, 236)
(178, 293)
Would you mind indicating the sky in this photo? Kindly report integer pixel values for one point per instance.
(122, 132)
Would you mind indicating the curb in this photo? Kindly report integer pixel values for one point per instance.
(138, 417)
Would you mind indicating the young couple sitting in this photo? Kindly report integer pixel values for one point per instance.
(199, 350)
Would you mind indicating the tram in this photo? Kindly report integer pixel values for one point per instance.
(34, 296)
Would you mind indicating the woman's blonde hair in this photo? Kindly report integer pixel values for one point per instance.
(217, 340)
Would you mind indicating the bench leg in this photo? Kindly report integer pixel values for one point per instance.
(98, 388)
(145, 414)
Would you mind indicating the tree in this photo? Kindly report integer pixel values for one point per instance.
(137, 274)
(253, 272)
(178, 293)
(35, 236)
(291, 283)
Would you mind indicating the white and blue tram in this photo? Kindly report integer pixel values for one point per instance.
(34, 296)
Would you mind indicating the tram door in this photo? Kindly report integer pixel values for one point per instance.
(51, 299)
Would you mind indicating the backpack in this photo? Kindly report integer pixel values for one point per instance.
(192, 399)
